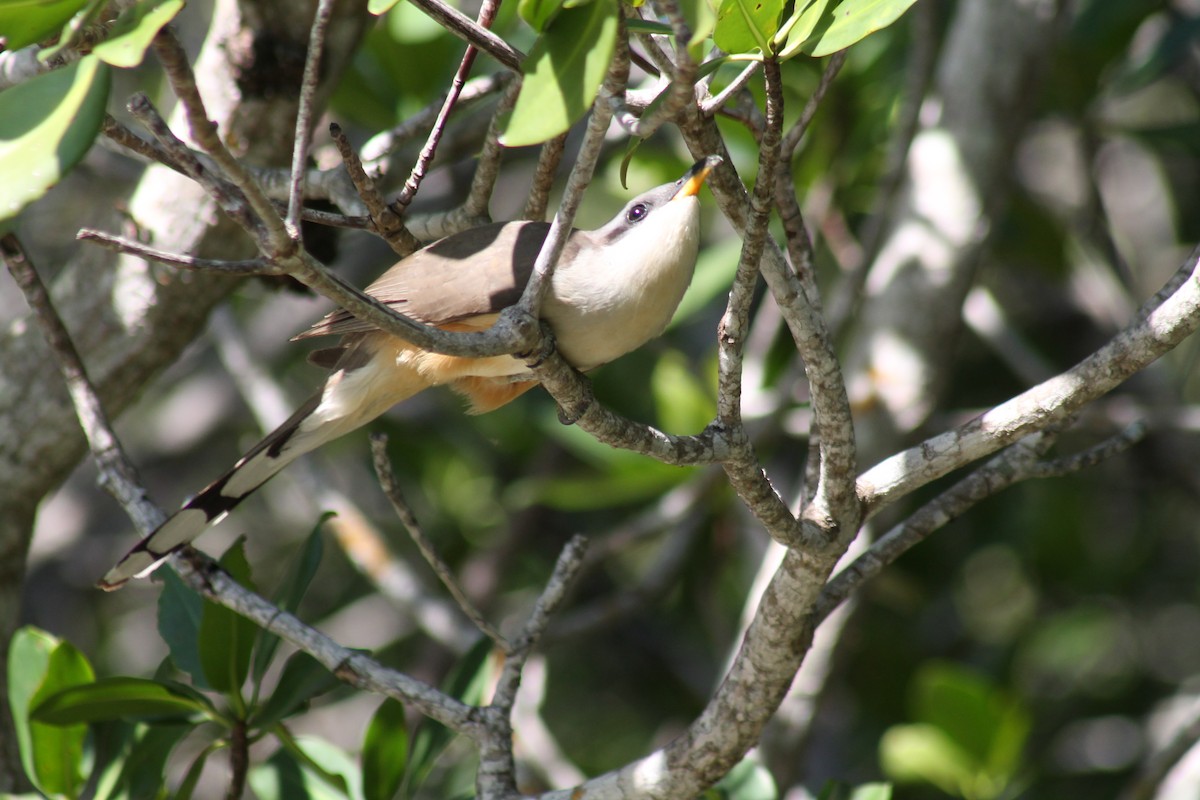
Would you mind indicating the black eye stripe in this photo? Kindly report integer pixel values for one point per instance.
(637, 213)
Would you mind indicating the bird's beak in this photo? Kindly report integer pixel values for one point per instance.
(694, 178)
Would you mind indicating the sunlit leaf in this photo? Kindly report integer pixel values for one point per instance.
(801, 27)
(133, 31)
(26, 22)
(746, 25)
(684, 404)
(40, 665)
(539, 13)
(47, 125)
(749, 780)
(851, 21)
(924, 753)
(378, 7)
(563, 73)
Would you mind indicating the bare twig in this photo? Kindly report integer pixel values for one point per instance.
(266, 226)
(230, 197)
(577, 182)
(570, 560)
(304, 113)
(487, 14)
(714, 104)
(792, 140)
(387, 222)
(1166, 319)
(387, 481)
(117, 475)
(1103, 451)
(543, 178)
(682, 71)
(119, 244)
(382, 144)
(472, 33)
(1007, 468)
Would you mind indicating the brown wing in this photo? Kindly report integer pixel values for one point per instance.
(449, 280)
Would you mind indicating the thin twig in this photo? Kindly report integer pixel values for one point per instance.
(487, 14)
(387, 481)
(387, 223)
(1103, 451)
(117, 475)
(1013, 465)
(578, 180)
(551, 598)
(266, 225)
(120, 244)
(487, 168)
(304, 113)
(792, 140)
(382, 144)
(123, 136)
(228, 196)
(1163, 321)
(543, 178)
(714, 104)
(472, 33)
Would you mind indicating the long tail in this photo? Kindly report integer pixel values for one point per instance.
(352, 397)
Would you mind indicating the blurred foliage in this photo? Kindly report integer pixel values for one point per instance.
(1024, 648)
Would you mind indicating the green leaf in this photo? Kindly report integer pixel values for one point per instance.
(226, 638)
(539, 13)
(851, 21)
(800, 27)
(187, 787)
(307, 768)
(748, 780)
(117, 698)
(302, 679)
(47, 125)
(144, 767)
(702, 16)
(683, 402)
(468, 681)
(179, 613)
(563, 73)
(746, 25)
(26, 22)
(133, 31)
(981, 719)
(292, 592)
(924, 753)
(969, 737)
(872, 791)
(715, 269)
(378, 7)
(385, 751)
(648, 26)
(40, 665)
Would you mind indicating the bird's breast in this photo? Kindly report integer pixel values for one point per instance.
(612, 300)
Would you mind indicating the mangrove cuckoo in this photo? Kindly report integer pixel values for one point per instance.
(614, 289)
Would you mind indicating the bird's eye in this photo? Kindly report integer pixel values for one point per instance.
(636, 213)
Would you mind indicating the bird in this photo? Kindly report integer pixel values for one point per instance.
(614, 289)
